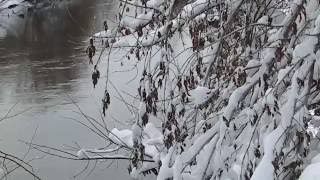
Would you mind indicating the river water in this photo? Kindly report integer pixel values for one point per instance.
(42, 66)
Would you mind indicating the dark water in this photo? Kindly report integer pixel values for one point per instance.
(42, 65)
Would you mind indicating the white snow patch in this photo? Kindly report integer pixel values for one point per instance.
(311, 172)
(123, 137)
(263, 20)
(82, 154)
(104, 34)
(304, 49)
(200, 94)
(282, 73)
(316, 159)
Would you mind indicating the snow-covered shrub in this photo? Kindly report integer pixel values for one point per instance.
(231, 86)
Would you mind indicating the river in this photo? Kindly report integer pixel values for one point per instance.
(42, 67)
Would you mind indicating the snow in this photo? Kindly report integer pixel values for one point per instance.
(204, 157)
(194, 8)
(316, 73)
(123, 137)
(314, 124)
(305, 49)
(165, 170)
(200, 94)
(282, 73)
(134, 173)
(136, 134)
(177, 168)
(311, 172)
(82, 154)
(155, 136)
(265, 169)
(142, 109)
(269, 99)
(150, 138)
(155, 3)
(317, 24)
(316, 159)
(263, 20)
(7, 3)
(312, 9)
(2, 173)
(243, 118)
(236, 168)
(252, 67)
(104, 34)
(134, 23)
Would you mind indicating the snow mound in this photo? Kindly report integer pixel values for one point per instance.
(304, 49)
(316, 159)
(200, 94)
(123, 137)
(311, 172)
(151, 137)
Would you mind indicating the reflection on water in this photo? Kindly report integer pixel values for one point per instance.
(41, 60)
(44, 52)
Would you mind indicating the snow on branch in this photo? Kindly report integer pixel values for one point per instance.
(225, 88)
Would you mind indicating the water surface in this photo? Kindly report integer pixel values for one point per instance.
(42, 66)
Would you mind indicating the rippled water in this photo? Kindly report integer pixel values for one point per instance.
(42, 65)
